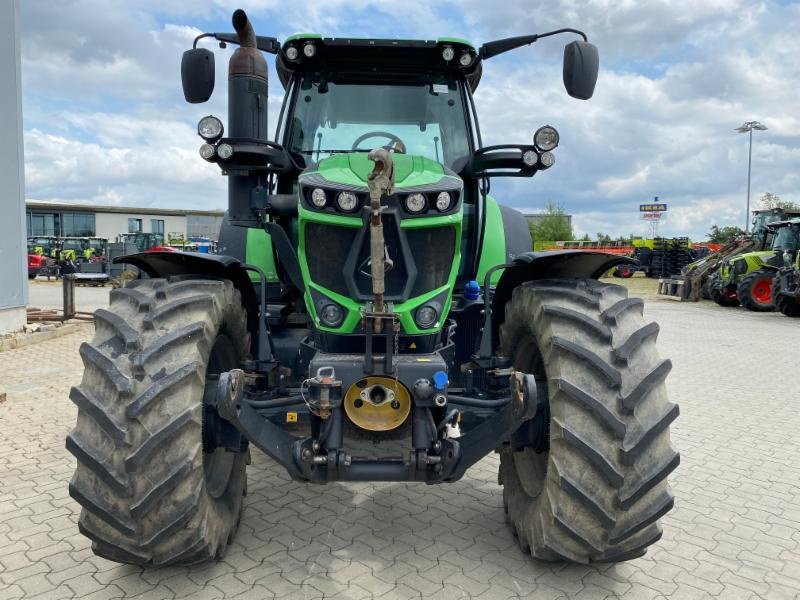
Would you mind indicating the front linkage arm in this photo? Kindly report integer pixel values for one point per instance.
(315, 460)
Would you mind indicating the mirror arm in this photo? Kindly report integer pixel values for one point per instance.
(490, 49)
(263, 43)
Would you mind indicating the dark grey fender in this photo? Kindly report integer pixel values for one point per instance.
(213, 266)
(552, 264)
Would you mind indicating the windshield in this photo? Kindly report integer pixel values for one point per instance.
(787, 238)
(423, 116)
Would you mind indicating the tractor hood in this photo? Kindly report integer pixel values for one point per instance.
(409, 170)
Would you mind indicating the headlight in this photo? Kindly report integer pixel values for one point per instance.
(415, 203)
(225, 151)
(530, 158)
(318, 198)
(331, 315)
(347, 201)
(207, 151)
(443, 201)
(465, 59)
(210, 128)
(309, 50)
(548, 160)
(448, 53)
(546, 138)
(426, 317)
(292, 53)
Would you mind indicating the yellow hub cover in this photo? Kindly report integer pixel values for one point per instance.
(377, 403)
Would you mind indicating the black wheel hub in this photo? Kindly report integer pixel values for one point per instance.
(221, 440)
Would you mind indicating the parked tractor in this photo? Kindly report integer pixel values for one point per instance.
(142, 241)
(786, 285)
(702, 277)
(747, 278)
(376, 316)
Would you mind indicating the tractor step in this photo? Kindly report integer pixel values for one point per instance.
(673, 289)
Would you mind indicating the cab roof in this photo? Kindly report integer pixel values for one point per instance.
(371, 55)
(786, 223)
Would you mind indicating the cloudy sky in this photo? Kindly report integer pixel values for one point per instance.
(105, 121)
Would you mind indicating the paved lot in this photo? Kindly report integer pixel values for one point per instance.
(49, 294)
(734, 533)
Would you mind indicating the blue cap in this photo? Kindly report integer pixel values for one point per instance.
(440, 380)
(472, 290)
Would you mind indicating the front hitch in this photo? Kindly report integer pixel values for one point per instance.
(380, 182)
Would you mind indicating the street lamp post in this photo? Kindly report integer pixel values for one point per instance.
(748, 128)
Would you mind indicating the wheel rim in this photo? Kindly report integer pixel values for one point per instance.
(531, 466)
(218, 463)
(762, 291)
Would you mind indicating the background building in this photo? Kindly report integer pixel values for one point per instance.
(82, 220)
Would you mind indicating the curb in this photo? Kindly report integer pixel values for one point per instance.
(11, 343)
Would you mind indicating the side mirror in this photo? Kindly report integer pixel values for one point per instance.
(581, 63)
(197, 75)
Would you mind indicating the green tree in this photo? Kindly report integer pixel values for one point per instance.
(723, 235)
(769, 201)
(603, 238)
(552, 225)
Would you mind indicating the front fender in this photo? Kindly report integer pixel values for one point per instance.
(552, 264)
(196, 264)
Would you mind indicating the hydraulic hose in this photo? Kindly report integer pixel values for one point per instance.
(478, 402)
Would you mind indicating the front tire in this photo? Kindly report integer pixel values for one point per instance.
(596, 491)
(755, 291)
(150, 493)
(788, 305)
(720, 294)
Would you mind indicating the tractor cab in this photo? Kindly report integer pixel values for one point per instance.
(71, 249)
(786, 240)
(142, 241)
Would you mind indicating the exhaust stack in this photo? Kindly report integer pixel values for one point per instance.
(248, 92)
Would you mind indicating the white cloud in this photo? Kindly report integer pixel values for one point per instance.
(105, 119)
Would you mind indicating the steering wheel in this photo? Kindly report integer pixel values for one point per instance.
(392, 138)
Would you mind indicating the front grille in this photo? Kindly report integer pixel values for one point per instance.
(396, 278)
(338, 258)
(327, 247)
(433, 251)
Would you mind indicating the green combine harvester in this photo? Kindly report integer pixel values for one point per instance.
(375, 315)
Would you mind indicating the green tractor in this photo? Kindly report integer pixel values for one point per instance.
(786, 285)
(747, 278)
(375, 315)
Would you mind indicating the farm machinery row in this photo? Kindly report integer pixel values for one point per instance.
(758, 271)
(54, 256)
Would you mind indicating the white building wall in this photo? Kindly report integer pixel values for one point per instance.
(110, 225)
(13, 247)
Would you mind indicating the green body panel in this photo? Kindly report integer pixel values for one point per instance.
(493, 251)
(353, 169)
(261, 254)
(352, 307)
(455, 40)
(302, 36)
(752, 260)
